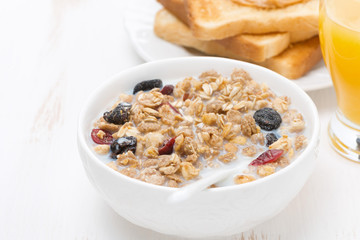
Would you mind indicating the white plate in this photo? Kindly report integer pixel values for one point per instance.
(139, 21)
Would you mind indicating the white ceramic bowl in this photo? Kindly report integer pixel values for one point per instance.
(213, 212)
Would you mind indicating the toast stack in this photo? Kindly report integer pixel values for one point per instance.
(278, 34)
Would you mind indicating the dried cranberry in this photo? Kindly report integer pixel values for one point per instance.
(173, 108)
(147, 85)
(167, 90)
(107, 138)
(267, 157)
(167, 147)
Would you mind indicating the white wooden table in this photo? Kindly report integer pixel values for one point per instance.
(52, 54)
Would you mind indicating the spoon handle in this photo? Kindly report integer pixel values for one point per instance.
(189, 190)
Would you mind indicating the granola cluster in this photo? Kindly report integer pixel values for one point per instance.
(201, 123)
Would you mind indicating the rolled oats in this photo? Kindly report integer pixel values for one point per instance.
(300, 142)
(204, 123)
(249, 151)
(102, 149)
(265, 170)
(151, 175)
(240, 179)
(189, 171)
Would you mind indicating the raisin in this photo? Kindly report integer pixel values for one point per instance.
(268, 156)
(107, 138)
(122, 145)
(167, 147)
(147, 85)
(267, 118)
(270, 139)
(119, 115)
(167, 90)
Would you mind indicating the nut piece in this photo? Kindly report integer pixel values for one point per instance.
(234, 116)
(248, 126)
(100, 134)
(189, 171)
(240, 179)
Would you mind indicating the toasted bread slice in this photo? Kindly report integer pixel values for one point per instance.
(292, 63)
(177, 8)
(219, 19)
(297, 60)
(267, 3)
(256, 48)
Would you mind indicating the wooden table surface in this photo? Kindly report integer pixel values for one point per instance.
(53, 53)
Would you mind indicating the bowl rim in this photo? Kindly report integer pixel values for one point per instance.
(314, 140)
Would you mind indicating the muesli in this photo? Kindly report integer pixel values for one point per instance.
(170, 135)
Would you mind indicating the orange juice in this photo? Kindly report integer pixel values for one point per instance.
(340, 42)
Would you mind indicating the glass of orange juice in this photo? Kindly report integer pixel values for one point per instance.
(340, 43)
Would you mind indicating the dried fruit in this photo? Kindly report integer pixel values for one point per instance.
(147, 85)
(119, 115)
(270, 139)
(167, 90)
(173, 108)
(122, 145)
(186, 96)
(267, 118)
(106, 139)
(168, 147)
(267, 157)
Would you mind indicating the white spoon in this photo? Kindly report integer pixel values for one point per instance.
(212, 177)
